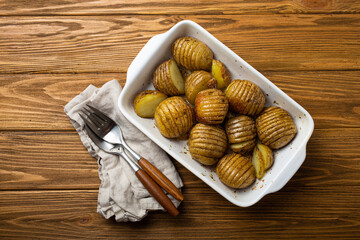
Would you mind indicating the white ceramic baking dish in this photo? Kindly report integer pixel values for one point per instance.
(287, 160)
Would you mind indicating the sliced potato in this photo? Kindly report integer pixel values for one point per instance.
(146, 102)
(211, 106)
(174, 117)
(221, 74)
(196, 82)
(275, 127)
(192, 54)
(235, 171)
(245, 97)
(262, 159)
(207, 143)
(168, 79)
(241, 131)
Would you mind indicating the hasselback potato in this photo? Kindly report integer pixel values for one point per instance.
(146, 102)
(245, 97)
(221, 74)
(168, 79)
(211, 106)
(207, 143)
(196, 82)
(275, 127)
(174, 117)
(241, 132)
(192, 54)
(235, 171)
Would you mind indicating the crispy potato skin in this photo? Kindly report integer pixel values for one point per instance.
(221, 74)
(192, 54)
(174, 117)
(211, 106)
(146, 102)
(207, 143)
(245, 97)
(196, 82)
(275, 127)
(163, 80)
(241, 132)
(235, 171)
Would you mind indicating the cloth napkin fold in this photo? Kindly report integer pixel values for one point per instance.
(121, 194)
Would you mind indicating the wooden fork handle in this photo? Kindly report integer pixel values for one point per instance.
(161, 179)
(157, 192)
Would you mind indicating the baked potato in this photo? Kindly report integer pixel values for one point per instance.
(207, 143)
(275, 127)
(174, 117)
(146, 102)
(168, 79)
(192, 54)
(221, 74)
(241, 132)
(211, 106)
(262, 159)
(236, 171)
(196, 82)
(245, 97)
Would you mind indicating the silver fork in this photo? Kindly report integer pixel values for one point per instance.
(145, 179)
(107, 129)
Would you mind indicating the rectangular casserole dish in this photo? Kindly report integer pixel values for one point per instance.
(287, 160)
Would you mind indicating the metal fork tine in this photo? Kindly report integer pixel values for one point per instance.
(90, 124)
(100, 114)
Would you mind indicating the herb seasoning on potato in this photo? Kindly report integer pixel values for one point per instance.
(211, 106)
(192, 54)
(275, 127)
(241, 132)
(196, 82)
(168, 79)
(245, 97)
(236, 171)
(207, 143)
(174, 117)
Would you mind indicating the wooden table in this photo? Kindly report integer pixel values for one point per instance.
(50, 51)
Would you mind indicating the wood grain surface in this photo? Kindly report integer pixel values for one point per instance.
(50, 51)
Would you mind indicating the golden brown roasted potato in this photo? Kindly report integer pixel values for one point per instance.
(262, 159)
(192, 54)
(221, 74)
(174, 117)
(207, 143)
(245, 97)
(196, 82)
(236, 171)
(211, 106)
(146, 102)
(275, 127)
(168, 79)
(241, 132)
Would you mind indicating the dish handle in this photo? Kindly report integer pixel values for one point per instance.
(285, 176)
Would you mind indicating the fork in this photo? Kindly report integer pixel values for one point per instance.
(145, 179)
(107, 129)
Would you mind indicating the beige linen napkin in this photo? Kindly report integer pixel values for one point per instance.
(121, 194)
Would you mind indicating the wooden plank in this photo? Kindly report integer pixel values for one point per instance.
(57, 160)
(294, 214)
(36, 101)
(109, 43)
(87, 7)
